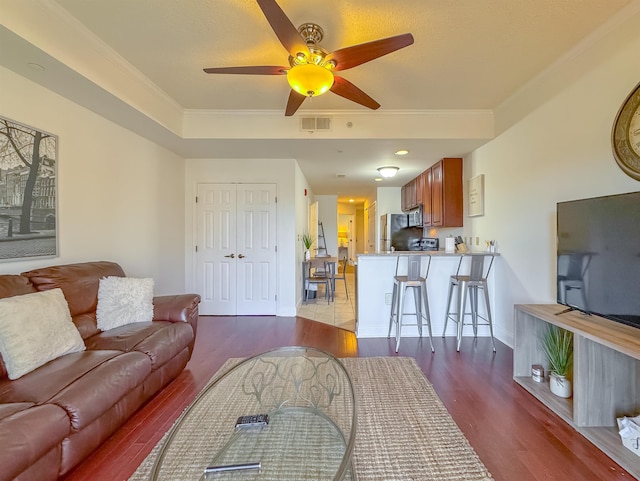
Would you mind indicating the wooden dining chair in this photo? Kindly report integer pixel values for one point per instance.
(313, 277)
(342, 266)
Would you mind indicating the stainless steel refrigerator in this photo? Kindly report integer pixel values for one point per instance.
(395, 232)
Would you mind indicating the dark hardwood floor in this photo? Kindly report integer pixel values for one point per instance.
(516, 437)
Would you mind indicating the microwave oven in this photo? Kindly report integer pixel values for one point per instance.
(415, 217)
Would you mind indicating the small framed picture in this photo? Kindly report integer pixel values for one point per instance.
(476, 195)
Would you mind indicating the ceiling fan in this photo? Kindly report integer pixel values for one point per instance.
(311, 67)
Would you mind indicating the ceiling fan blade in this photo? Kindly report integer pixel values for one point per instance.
(346, 89)
(295, 101)
(349, 57)
(258, 70)
(286, 32)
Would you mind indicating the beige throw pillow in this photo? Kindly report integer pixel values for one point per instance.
(124, 300)
(35, 329)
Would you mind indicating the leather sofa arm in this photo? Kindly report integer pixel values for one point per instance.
(175, 308)
(178, 308)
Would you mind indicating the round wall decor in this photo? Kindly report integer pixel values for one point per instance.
(625, 136)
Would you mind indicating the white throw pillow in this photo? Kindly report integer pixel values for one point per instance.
(124, 300)
(35, 329)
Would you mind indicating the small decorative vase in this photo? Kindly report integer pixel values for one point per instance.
(307, 255)
(559, 385)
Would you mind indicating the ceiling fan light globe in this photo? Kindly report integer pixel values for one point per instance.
(310, 79)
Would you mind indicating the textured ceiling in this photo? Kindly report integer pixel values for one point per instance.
(468, 56)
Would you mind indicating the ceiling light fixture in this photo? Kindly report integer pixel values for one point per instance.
(35, 66)
(378, 179)
(388, 171)
(311, 75)
(402, 152)
(309, 79)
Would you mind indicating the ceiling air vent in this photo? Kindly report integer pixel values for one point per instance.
(315, 124)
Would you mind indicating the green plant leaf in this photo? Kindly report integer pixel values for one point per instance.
(557, 345)
(307, 240)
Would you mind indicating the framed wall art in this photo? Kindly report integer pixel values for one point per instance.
(476, 196)
(28, 192)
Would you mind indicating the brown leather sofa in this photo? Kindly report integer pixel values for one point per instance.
(55, 416)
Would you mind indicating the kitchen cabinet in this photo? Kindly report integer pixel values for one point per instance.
(412, 194)
(436, 194)
(408, 195)
(419, 189)
(426, 197)
(439, 190)
(446, 193)
(403, 198)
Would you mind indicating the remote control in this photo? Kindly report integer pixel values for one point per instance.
(231, 467)
(254, 420)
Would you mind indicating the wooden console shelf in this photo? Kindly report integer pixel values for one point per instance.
(606, 374)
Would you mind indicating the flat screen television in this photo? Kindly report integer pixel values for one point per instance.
(598, 261)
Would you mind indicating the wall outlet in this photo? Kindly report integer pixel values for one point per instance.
(387, 298)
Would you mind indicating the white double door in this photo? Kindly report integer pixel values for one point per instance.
(236, 249)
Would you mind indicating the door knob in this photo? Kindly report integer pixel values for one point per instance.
(240, 256)
(231, 255)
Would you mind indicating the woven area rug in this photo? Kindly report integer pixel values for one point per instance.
(404, 432)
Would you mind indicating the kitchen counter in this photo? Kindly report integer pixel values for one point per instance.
(423, 253)
(375, 285)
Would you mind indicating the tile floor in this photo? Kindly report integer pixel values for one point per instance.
(340, 313)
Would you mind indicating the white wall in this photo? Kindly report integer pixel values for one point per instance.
(389, 200)
(120, 196)
(328, 215)
(303, 199)
(282, 172)
(360, 236)
(346, 208)
(560, 151)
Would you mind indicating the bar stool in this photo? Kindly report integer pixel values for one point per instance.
(469, 284)
(414, 279)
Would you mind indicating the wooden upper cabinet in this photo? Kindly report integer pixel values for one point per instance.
(446, 193)
(408, 195)
(439, 190)
(419, 189)
(412, 193)
(426, 197)
(437, 210)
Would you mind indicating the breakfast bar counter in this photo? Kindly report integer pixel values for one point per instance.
(374, 286)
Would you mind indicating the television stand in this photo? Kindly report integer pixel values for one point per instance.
(606, 374)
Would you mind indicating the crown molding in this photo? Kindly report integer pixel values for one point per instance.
(50, 28)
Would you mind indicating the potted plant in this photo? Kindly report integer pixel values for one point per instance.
(557, 344)
(307, 240)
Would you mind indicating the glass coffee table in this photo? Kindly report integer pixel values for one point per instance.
(308, 397)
